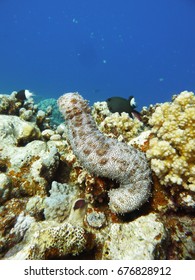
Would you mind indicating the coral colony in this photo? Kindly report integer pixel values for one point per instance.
(106, 157)
(70, 189)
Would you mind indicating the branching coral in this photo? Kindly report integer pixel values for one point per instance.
(172, 148)
(106, 157)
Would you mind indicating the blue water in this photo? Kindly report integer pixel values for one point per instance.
(101, 48)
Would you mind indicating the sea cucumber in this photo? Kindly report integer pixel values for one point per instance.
(106, 157)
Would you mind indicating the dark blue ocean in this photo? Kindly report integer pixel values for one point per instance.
(101, 48)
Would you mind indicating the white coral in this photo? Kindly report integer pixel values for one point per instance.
(172, 148)
(142, 239)
(57, 205)
(22, 224)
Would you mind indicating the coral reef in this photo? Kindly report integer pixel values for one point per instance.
(172, 146)
(50, 108)
(10, 105)
(181, 231)
(119, 126)
(5, 187)
(106, 157)
(23, 223)
(55, 206)
(96, 219)
(17, 132)
(140, 239)
(100, 111)
(30, 168)
(45, 114)
(49, 240)
(27, 166)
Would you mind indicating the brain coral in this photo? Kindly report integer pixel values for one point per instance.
(172, 148)
(106, 157)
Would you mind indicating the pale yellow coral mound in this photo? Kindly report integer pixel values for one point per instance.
(172, 148)
(121, 126)
(115, 125)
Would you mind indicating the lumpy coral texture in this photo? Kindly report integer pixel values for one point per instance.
(172, 147)
(54, 204)
(119, 126)
(106, 157)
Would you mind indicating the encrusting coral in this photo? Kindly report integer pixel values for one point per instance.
(16, 131)
(134, 240)
(49, 239)
(172, 147)
(106, 157)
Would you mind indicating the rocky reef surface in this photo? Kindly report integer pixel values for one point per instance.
(53, 206)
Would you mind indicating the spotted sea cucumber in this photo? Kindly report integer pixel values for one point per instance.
(106, 157)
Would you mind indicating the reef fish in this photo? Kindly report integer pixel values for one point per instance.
(120, 104)
(23, 94)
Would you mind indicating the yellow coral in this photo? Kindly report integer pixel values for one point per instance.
(172, 148)
(121, 126)
(100, 111)
(116, 125)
